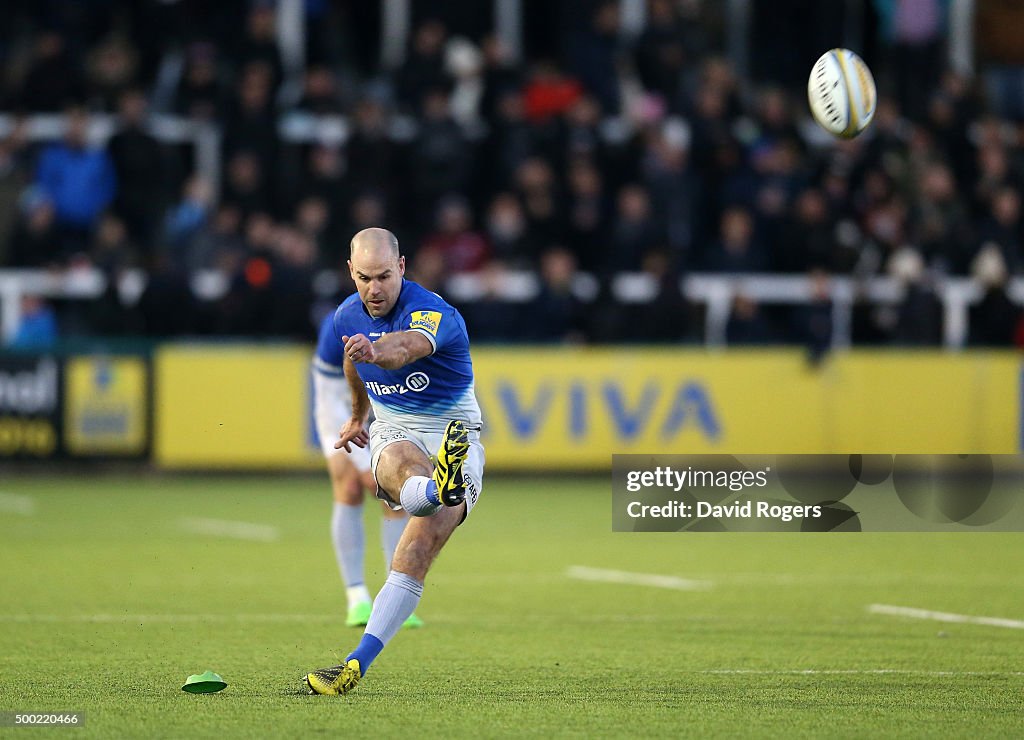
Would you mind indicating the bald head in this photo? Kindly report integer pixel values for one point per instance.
(376, 242)
(377, 269)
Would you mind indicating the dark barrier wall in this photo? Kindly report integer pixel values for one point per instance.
(85, 406)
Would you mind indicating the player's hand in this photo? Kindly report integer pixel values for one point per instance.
(359, 349)
(353, 433)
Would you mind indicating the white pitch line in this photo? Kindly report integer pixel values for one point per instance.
(912, 613)
(119, 618)
(14, 503)
(852, 672)
(232, 529)
(583, 573)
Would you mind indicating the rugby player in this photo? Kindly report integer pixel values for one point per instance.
(406, 358)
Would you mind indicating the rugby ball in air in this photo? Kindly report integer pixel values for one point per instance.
(841, 92)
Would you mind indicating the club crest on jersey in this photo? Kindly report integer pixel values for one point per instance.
(426, 320)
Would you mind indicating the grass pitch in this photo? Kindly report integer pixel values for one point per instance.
(114, 589)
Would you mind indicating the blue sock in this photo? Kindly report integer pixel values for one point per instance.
(394, 603)
(367, 651)
(431, 493)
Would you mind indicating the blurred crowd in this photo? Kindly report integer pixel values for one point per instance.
(603, 150)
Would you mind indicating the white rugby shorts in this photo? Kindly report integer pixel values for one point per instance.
(332, 408)
(384, 433)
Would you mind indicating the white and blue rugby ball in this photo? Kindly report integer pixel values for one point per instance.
(841, 92)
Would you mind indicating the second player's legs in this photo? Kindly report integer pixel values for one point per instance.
(345, 480)
(392, 523)
(347, 532)
(349, 484)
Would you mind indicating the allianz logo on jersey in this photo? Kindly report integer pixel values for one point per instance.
(415, 382)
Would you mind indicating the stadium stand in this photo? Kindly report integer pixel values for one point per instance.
(180, 168)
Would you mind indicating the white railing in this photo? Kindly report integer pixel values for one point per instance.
(204, 137)
(716, 292)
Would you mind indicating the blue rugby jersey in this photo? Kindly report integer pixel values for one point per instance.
(423, 395)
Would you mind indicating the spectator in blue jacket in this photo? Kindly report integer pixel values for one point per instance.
(37, 329)
(78, 179)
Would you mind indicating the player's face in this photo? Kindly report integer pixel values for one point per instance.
(378, 278)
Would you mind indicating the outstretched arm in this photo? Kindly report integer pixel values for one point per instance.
(390, 352)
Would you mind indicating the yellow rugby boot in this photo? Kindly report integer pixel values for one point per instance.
(451, 488)
(336, 680)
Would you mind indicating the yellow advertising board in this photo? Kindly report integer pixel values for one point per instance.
(571, 409)
(105, 406)
(556, 408)
(235, 407)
